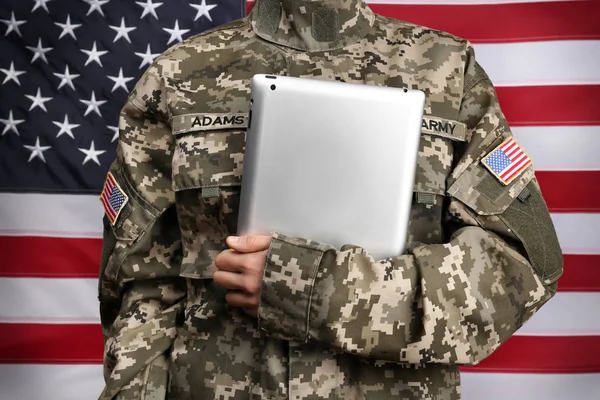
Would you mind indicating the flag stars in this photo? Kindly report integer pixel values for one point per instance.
(149, 8)
(10, 124)
(91, 154)
(40, 4)
(12, 24)
(93, 105)
(203, 10)
(147, 57)
(115, 130)
(38, 100)
(120, 81)
(176, 33)
(94, 55)
(39, 51)
(65, 127)
(12, 74)
(37, 151)
(68, 28)
(96, 5)
(122, 31)
(66, 78)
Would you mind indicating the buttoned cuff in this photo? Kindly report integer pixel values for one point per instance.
(291, 267)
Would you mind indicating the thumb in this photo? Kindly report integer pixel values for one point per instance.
(248, 244)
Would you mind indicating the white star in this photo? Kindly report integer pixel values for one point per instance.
(68, 28)
(203, 9)
(12, 74)
(42, 4)
(37, 150)
(149, 8)
(122, 31)
(115, 130)
(10, 124)
(120, 81)
(147, 57)
(92, 105)
(94, 55)
(66, 78)
(38, 100)
(13, 24)
(91, 154)
(176, 32)
(66, 127)
(96, 5)
(39, 51)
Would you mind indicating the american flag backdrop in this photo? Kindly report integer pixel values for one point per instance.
(66, 67)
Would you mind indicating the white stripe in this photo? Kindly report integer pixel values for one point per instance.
(566, 314)
(77, 382)
(81, 216)
(48, 300)
(52, 215)
(510, 153)
(578, 233)
(555, 148)
(497, 386)
(32, 300)
(515, 167)
(566, 62)
(509, 143)
(51, 382)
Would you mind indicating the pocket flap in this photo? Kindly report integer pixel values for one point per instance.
(208, 158)
(479, 189)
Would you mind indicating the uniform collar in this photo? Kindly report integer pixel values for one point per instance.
(312, 25)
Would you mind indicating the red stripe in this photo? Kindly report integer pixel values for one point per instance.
(52, 257)
(78, 343)
(494, 23)
(51, 343)
(509, 142)
(570, 191)
(80, 258)
(109, 211)
(515, 169)
(581, 273)
(543, 354)
(550, 105)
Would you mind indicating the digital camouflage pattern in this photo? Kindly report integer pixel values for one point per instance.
(333, 323)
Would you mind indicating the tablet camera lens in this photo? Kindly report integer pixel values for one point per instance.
(273, 87)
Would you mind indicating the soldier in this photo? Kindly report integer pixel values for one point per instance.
(190, 311)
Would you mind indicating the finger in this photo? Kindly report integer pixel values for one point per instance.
(252, 311)
(229, 280)
(241, 299)
(229, 260)
(249, 244)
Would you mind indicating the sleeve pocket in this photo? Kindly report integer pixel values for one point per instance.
(483, 193)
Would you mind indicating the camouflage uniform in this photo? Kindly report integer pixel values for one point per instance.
(333, 323)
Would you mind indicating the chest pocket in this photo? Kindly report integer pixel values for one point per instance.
(434, 163)
(436, 150)
(207, 176)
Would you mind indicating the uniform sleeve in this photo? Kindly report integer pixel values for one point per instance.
(453, 302)
(140, 289)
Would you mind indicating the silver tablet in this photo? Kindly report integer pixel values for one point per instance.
(330, 161)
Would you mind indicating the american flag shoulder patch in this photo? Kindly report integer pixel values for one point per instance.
(113, 198)
(507, 161)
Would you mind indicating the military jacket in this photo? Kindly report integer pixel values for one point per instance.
(482, 255)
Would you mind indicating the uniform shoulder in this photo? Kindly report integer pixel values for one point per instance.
(221, 37)
(418, 33)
